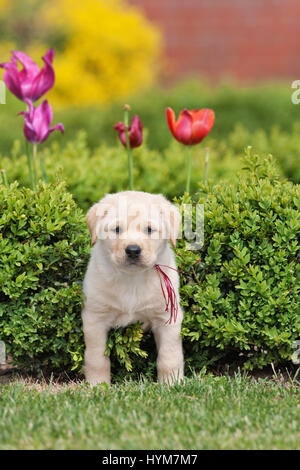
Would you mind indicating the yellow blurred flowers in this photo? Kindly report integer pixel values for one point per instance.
(107, 50)
(110, 51)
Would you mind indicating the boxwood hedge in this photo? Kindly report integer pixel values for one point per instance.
(240, 291)
(43, 252)
(44, 249)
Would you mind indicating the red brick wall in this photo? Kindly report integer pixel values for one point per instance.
(247, 39)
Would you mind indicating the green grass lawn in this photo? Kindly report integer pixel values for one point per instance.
(205, 412)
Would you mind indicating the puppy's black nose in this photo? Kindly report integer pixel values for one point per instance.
(133, 251)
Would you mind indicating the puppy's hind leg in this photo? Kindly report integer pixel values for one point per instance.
(96, 364)
(170, 355)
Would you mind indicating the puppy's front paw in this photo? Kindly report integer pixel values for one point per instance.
(96, 377)
(93, 380)
(170, 377)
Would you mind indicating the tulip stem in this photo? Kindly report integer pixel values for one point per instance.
(130, 168)
(206, 165)
(34, 163)
(29, 163)
(44, 175)
(129, 152)
(189, 166)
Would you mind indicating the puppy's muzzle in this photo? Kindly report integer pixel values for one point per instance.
(133, 252)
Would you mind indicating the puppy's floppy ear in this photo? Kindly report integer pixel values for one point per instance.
(175, 224)
(172, 218)
(93, 217)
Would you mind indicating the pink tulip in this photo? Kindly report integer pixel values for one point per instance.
(37, 122)
(30, 82)
(135, 132)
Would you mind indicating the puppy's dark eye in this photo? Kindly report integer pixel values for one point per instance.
(149, 230)
(117, 229)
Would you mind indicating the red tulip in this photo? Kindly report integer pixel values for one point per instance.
(30, 82)
(135, 132)
(37, 122)
(191, 126)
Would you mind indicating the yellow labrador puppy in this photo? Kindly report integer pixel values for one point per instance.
(126, 279)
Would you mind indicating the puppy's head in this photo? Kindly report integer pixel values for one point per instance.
(133, 227)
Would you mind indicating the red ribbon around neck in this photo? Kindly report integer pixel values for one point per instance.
(168, 292)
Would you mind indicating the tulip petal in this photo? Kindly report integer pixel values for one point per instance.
(31, 126)
(30, 134)
(30, 82)
(58, 127)
(44, 80)
(30, 68)
(31, 109)
(170, 115)
(37, 122)
(203, 120)
(47, 113)
(26, 75)
(120, 128)
(42, 119)
(135, 132)
(29, 130)
(49, 56)
(11, 78)
(183, 128)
